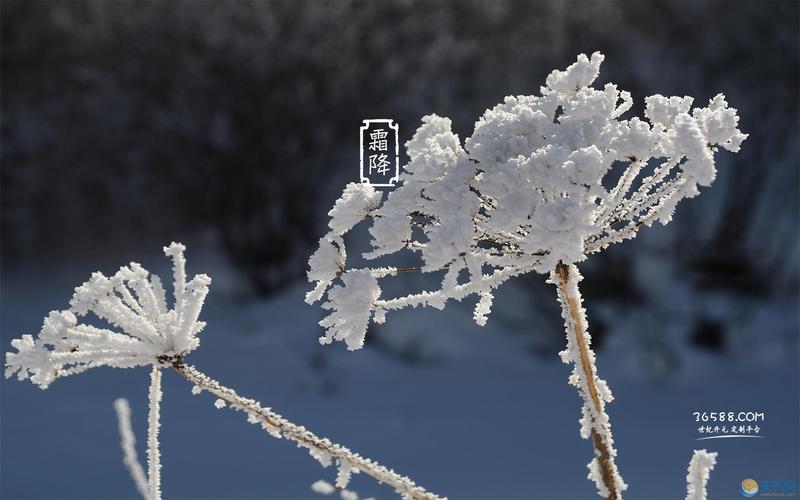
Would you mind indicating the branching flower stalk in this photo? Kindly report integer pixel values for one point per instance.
(148, 333)
(534, 188)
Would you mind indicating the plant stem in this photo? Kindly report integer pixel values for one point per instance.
(153, 425)
(603, 469)
(128, 444)
(280, 427)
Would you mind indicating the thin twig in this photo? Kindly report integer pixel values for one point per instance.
(276, 424)
(128, 444)
(408, 270)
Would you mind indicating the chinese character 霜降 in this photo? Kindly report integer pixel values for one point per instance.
(380, 152)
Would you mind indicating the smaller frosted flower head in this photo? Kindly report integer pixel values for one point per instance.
(145, 331)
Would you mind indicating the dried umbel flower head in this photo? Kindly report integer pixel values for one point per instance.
(531, 188)
(134, 303)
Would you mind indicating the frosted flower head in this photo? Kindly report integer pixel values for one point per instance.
(133, 302)
(538, 183)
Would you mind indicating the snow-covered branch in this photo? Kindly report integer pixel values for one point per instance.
(700, 467)
(322, 449)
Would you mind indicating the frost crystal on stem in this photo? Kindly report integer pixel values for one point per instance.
(320, 448)
(700, 468)
(593, 390)
(325, 488)
(543, 182)
(153, 427)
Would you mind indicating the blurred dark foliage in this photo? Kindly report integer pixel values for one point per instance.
(132, 123)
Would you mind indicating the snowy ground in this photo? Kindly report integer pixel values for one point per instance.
(482, 418)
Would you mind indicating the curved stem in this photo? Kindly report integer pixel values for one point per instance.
(592, 389)
(128, 444)
(321, 448)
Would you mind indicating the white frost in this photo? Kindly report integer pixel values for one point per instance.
(577, 76)
(128, 444)
(325, 265)
(528, 189)
(700, 468)
(153, 427)
(355, 204)
(344, 474)
(348, 495)
(351, 305)
(150, 333)
(323, 487)
(593, 390)
(131, 301)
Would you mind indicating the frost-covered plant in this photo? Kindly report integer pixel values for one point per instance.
(534, 188)
(134, 303)
(699, 471)
(147, 332)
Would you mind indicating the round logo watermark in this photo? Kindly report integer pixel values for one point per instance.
(749, 488)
